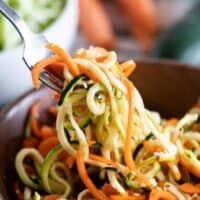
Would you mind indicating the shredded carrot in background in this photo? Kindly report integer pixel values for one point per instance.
(108, 189)
(151, 148)
(127, 197)
(30, 142)
(47, 132)
(170, 122)
(101, 159)
(46, 145)
(51, 197)
(70, 161)
(53, 110)
(35, 119)
(193, 169)
(158, 194)
(173, 167)
(189, 188)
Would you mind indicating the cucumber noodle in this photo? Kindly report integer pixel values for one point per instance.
(92, 119)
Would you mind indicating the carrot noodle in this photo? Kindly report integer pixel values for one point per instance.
(100, 141)
(170, 122)
(40, 66)
(101, 58)
(46, 145)
(101, 159)
(53, 110)
(30, 142)
(51, 197)
(174, 170)
(189, 188)
(192, 168)
(34, 119)
(128, 67)
(65, 57)
(70, 161)
(47, 132)
(157, 194)
(109, 190)
(127, 197)
(87, 181)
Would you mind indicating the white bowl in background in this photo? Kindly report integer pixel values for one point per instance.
(15, 78)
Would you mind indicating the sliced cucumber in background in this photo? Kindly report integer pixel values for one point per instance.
(182, 41)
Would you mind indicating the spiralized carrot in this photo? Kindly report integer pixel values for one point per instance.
(101, 159)
(47, 132)
(128, 149)
(151, 148)
(81, 54)
(98, 194)
(128, 67)
(89, 73)
(109, 190)
(71, 66)
(30, 142)
(51, 197)
(70, 161)
(127, 197)
(173, 167)
(93, 14)
(189, 188)
(145, 40)
(53, 110)
(193, 169)
(170, 122)
(37, 69)
(35, 119)
(157, 194)
(46, 145)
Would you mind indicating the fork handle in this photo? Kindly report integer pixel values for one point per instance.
(15, 20)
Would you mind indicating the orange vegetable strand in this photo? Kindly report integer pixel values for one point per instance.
(98, 194)
(46, 145)
(71, 66)
(128, 155)
(39, 67)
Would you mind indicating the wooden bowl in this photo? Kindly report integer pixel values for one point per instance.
(168, 87)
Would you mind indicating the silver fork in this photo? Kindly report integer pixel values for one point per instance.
(33, 46)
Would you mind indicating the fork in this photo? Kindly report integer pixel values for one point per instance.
(33, 46)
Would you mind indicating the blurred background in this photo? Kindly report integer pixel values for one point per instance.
(136, 29)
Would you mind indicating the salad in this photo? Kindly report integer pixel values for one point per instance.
(103, 143)
(38, 14)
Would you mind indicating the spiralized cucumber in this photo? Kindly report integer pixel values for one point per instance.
(19, 164)
(94, 106)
